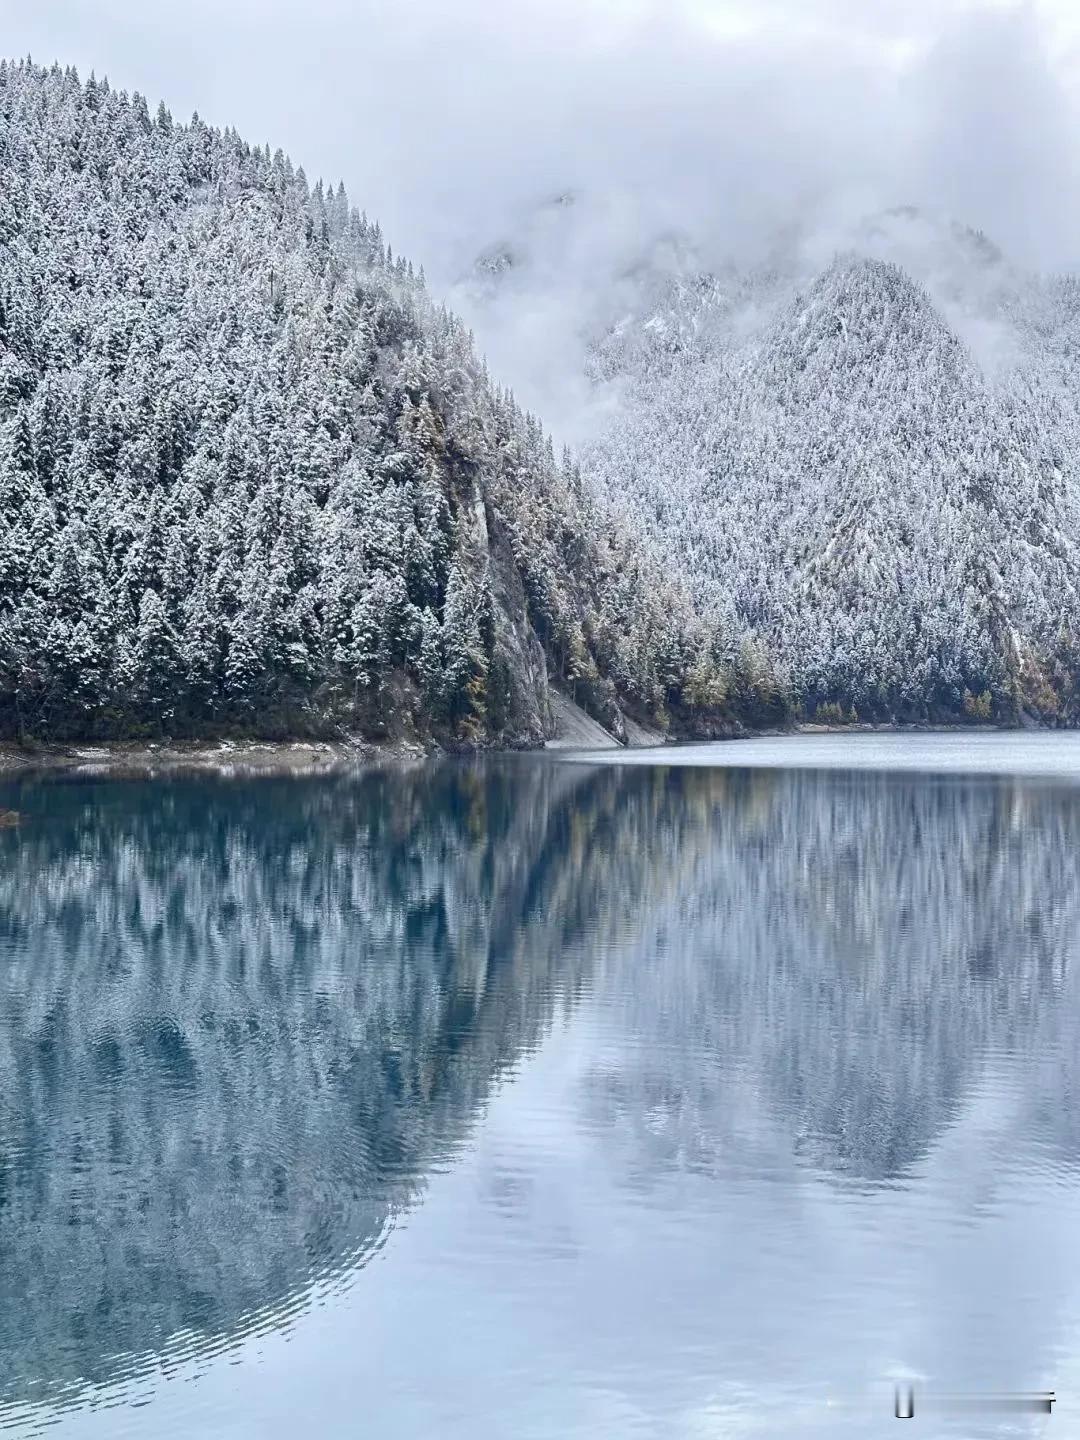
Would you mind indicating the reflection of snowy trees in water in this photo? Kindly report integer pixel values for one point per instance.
(240, 1022)
(852, 947)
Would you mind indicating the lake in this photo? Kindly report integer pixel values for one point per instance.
(705, 1092)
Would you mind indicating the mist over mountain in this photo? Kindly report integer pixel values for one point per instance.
(859, 452)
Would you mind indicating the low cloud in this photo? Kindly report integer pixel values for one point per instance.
(729, 123)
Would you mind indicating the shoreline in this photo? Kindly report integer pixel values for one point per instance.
(147, 759)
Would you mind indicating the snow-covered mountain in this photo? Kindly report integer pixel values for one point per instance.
(253, 478)
(860, 453)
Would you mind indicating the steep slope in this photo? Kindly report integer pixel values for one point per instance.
(252, 479)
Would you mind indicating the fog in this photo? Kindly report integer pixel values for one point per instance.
(729, 123)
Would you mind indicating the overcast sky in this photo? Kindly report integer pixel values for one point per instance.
(446, 117)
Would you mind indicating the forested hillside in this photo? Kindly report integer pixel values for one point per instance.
(865, 466)
(252, 480)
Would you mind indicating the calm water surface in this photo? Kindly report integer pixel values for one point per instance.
(700, 1096)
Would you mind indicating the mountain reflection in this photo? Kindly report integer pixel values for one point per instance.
(854, 944)
(242, 1022)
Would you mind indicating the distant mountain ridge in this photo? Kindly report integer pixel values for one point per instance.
(861, 458)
